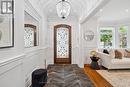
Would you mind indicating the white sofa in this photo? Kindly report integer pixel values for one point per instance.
(110, 62)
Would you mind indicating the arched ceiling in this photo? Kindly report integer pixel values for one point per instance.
(78, 7)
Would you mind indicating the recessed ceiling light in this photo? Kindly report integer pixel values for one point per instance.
(101, 10)
(75, 11)
(126, 10)
(80, 18)
(50, 10)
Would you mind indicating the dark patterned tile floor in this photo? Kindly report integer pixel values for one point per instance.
(71, 75)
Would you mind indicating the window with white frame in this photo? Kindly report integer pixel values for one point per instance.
(106, 37)
(123, 36)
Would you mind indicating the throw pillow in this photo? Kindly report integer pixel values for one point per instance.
(127, 53)
(118, 54)
(105, 51)
(112, 53)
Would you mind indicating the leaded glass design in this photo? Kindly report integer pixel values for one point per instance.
(62, 43)
(31, 32)
(28, 37)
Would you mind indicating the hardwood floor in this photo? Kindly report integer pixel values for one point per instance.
(97, 79)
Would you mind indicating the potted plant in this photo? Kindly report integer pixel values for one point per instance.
(105, 38)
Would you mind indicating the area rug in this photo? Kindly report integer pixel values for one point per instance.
(67, 76)
(117, 78)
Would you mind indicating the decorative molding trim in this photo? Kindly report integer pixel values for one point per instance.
(44, 47)
(31, 10)
(115, 23)
(32, 53)
(9, 64)
(10, 60)
(54, 18)
(35, 50)
(93, 11)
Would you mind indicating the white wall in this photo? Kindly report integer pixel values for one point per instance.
(73, 22)
(87, 46)
(17, 63)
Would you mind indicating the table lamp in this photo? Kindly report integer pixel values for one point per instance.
(93, 53)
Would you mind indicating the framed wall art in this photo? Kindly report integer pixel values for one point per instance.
(6, 23)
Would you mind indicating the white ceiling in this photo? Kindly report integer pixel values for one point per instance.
(78, 7)
(115, 10)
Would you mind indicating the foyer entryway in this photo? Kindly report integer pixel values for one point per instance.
(62, 44)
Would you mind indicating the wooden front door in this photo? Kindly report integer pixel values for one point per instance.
(62, 44)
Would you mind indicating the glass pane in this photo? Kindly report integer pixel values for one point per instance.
(106, 37)
(9, 9)
(28, 37)
(62, 43)
(4, 7)
(123, 36)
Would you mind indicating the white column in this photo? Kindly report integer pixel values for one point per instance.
(116, 37)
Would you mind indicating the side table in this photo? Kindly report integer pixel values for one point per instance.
(94, 63)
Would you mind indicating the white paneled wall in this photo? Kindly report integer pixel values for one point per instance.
(17, 63)
(33, 60)
(11, 73)
(87, 46)
(16, 71)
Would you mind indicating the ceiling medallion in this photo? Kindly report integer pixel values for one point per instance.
(63, 9)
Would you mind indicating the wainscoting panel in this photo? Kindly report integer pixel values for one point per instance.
(75, 56)
(11, 73)
(16, 71)
(33, 60)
